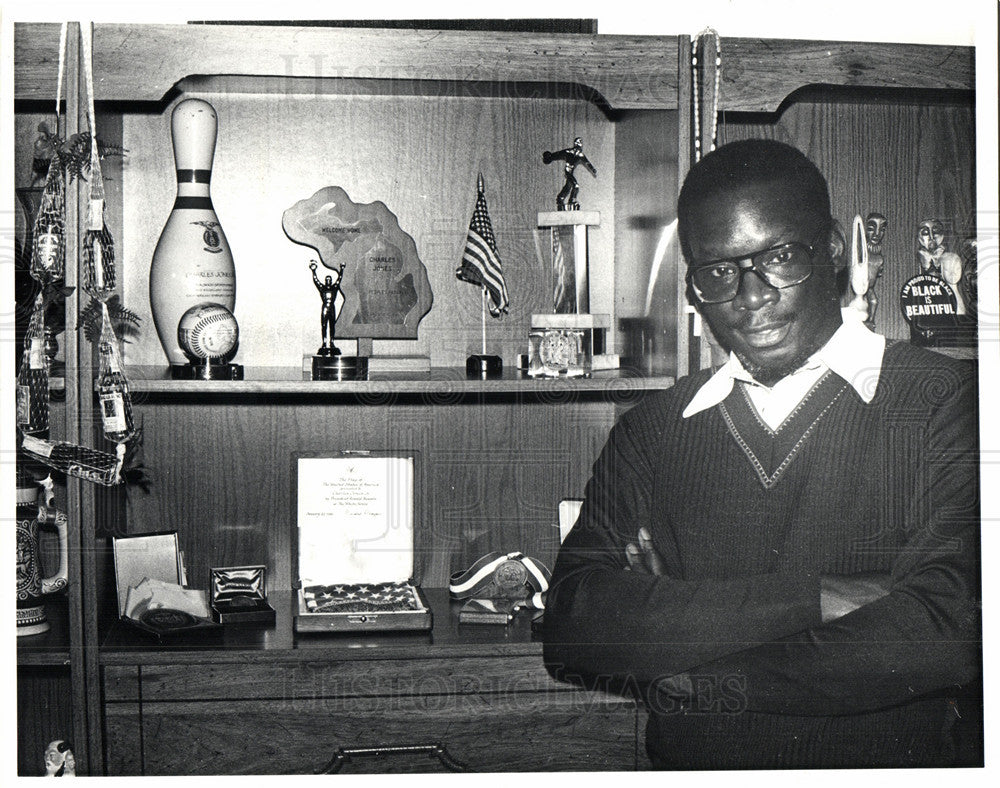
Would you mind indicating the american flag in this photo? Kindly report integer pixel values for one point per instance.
(480, 260)
(360, 598)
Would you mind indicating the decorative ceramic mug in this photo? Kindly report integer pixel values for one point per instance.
(32, 515)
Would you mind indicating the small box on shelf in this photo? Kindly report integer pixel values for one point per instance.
(239, 595)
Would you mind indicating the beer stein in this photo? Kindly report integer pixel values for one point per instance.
(32, 515)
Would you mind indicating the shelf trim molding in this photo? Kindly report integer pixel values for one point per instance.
(144, 62)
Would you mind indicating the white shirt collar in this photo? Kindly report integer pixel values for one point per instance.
(854, 353)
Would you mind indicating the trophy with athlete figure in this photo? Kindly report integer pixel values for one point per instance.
(328, 363)
(564, 342)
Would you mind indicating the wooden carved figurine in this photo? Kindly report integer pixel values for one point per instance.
(59, 760)
(936, 259)
(875, 227)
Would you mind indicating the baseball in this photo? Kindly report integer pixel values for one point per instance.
(207, 331)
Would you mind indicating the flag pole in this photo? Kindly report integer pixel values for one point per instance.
(484, 321)
(481, 265)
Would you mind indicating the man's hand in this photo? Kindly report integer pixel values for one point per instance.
(843, 594)
(642, 556)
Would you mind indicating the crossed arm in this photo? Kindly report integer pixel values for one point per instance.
(804, 644)
(838, 594)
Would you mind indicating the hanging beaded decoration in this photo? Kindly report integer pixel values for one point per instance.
(697, 74)
(99, 281)
(697, 77)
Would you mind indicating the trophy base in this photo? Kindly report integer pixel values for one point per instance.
(31, 621)
(483, 366)
(339, 367)
(206, 371)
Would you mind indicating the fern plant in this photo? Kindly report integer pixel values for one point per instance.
(124, 321)
(72, 155)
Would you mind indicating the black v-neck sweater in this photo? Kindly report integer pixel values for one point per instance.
(746, 520)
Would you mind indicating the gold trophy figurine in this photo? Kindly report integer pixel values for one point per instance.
(328, 363)
(328, 291)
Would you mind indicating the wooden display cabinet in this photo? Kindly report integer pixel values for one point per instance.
(407, 117)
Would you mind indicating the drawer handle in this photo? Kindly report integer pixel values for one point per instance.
(345, 754)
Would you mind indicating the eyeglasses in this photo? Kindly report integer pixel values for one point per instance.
(781, 266)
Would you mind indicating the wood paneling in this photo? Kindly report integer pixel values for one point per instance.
(44, 713)
(490, 475)
(123, 737)
(143, 62)
(419, 155)
(343, 679)
(121, 682)
(904, 159)
(758, 75)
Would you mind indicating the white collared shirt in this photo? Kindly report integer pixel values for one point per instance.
(853, 352)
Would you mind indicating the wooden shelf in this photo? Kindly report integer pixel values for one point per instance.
(758, 75)
(127, 646)
(441, 381)
(49, 648)
(144, 62)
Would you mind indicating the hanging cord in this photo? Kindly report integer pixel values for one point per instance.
(63, 32)
(95, 219)
(697, 68)
(98, 246)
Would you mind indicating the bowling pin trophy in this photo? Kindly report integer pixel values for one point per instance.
(192, 264)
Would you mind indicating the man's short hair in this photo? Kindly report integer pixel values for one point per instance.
(749, 162)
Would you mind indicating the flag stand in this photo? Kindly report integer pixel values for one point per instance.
(481, 266)
(483, 365)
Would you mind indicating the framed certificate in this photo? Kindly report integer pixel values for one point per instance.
(354, 559)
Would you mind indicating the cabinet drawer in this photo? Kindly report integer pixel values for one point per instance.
(326, 679)
(485, 732)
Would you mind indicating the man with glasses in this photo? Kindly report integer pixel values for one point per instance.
(781, 556)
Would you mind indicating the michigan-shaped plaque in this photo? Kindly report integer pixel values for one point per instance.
(385, 286)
